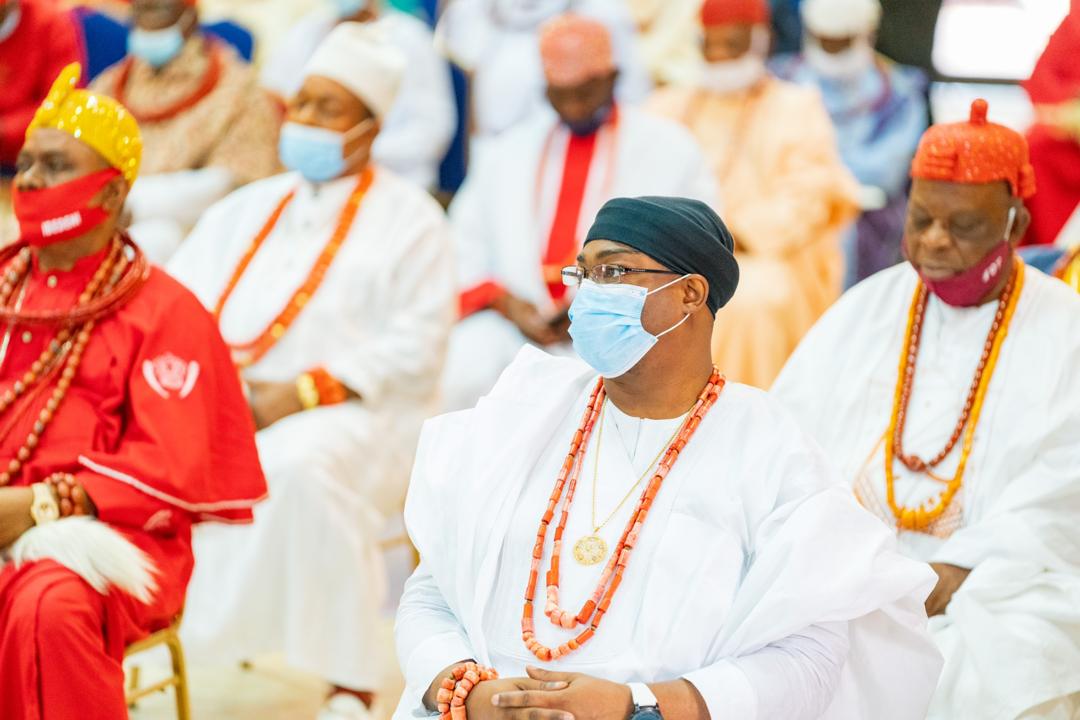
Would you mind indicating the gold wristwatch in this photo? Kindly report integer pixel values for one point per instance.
(45, 508)
(307, 391)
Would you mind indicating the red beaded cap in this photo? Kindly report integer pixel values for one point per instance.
(729, 12)
(976, 152)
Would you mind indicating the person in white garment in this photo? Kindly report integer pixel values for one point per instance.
(721, 569)
(418, 129)
(947, 392)
(497, 43)
(531, 193)
(333, 285)
(879, 111)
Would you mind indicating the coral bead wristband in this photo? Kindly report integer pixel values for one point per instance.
(454, 690)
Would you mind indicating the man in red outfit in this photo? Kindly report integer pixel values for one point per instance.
(37, 39)
(122, 422)
(1054, 88)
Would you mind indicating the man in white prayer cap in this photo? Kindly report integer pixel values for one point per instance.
(879, 110)
(421, 125)
(333, 285)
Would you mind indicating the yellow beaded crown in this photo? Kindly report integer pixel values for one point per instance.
(95, 119)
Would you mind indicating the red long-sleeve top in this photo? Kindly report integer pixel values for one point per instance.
(155, 426)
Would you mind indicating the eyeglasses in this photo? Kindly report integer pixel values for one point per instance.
(604, 274)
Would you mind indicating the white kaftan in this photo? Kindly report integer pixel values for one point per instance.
(497, 42)
(306, 578)
(417, 132)
(756, 577)
(1011, 635)
(502, 218)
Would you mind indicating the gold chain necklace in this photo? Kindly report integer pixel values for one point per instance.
(591, 549)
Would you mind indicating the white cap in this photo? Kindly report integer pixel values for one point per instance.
(841, 18)
(362, 58)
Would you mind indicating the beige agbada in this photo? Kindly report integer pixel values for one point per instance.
(786, 198)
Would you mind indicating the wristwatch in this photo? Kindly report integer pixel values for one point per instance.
(645, 705)
(44, 508)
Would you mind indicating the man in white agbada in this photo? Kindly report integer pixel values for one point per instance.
(532, 192)
(334, 286)
(980, 477)
(497, 43)
(736, 579)
(418, 129)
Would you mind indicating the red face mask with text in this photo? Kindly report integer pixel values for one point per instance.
(969, 287)
(62, 212)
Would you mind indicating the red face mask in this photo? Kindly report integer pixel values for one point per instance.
(61, 212)
(969, 287)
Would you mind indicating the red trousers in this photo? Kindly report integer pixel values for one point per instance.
(62, 645)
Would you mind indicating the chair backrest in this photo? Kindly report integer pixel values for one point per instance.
(236, 35)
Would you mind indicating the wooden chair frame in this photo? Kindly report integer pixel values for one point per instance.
(170, 638)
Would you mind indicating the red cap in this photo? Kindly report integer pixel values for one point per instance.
(729, 12)
(976, 152)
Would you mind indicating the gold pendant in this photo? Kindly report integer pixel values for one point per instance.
(590, 550)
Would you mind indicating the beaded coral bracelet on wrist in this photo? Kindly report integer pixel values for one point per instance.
(454, 690)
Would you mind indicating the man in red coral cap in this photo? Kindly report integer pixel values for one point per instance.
(783, 186)
(946, 391)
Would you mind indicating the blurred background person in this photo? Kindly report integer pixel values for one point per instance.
(497, 43)
(207, 126)
(416, 134)
(533, 192)
(786, 195)
(879, 111)
(28, 66)
(668, 33)
(1054, 89)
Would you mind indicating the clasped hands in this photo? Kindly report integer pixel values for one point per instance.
(548, 695)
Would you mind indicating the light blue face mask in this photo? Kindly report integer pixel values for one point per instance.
(156, 47)
(605, 324)
(317, 153)
(348, 8)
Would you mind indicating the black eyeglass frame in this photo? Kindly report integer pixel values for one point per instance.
(573, 275)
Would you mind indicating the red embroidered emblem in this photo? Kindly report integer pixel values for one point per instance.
(168, 375)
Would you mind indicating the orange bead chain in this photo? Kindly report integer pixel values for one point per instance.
(598, 603)
(111, 284)
(454, 690)
(247, 354)
(922, 517)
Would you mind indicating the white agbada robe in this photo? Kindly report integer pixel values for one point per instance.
(756, 577)
(420, 126)
(307, 578)
(497, 43)
(1011, 635)
(502, 218)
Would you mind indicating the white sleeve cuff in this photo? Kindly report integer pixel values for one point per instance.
(433, 655)
(727, 691)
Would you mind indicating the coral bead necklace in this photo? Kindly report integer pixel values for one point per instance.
(922, 517)
(114, 283)
(248, 353)
(592, 613)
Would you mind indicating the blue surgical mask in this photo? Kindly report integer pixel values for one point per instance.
(156, 47)
(316, 153)
(348, 8)
(605, 324)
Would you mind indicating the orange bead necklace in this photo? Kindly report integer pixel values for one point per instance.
(114, 282)
(249, 353)
(920, 518)
(209, 83)
(598, 603)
